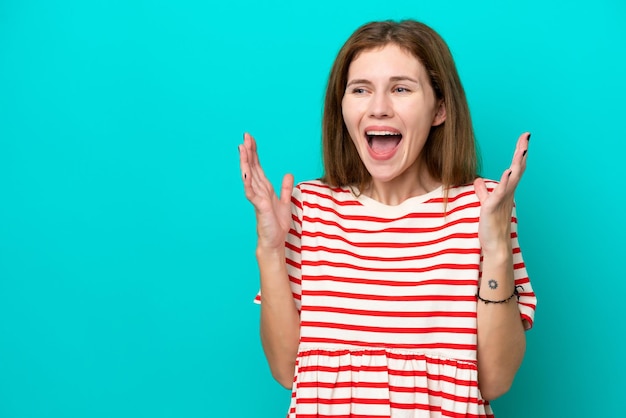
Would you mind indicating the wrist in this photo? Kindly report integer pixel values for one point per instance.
(500, 252)
(270, 252)
(515, 293)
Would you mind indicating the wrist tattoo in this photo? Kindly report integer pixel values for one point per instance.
(492, 284)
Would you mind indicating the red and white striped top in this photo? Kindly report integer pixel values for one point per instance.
(387, 299)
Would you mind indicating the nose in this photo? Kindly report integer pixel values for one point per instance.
(380, 106)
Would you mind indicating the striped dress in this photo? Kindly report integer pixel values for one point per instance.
(387, 303)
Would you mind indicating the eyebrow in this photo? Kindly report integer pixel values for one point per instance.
(393, 79)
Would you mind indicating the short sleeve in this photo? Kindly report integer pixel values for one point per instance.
(527, 301)
(293, 249)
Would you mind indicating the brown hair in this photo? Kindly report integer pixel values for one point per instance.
(450, 151)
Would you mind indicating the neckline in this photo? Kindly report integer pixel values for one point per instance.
(406, 206)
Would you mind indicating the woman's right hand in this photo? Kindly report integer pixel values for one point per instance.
(273, 214)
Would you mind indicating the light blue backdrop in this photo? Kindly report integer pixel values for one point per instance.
(127, 265)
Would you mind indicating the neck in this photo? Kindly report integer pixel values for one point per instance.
(401, 188)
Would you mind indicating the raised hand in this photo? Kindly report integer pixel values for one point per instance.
(494, 229)
(273, 213)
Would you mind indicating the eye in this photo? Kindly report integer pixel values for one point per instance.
(400, 89)
(358, 90)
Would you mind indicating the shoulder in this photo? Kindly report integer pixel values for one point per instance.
(319, 188)
(322, 193)
(467, 190)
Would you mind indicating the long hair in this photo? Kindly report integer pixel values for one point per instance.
(450, 151)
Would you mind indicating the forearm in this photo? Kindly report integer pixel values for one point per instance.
(280, 320)
(501, 337)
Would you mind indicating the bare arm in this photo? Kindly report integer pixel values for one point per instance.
(280, 320)
(501, 338)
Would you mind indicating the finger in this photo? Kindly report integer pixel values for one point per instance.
(518, 164)
(504, 181)
(259, 181)
(500, 190)
(247, 170)
(254, 156)
(480, 188)
(248, 142)
(253, 147)
(286, 189)
(246, 174)
(521, 151)
(525, 143)
(244, 165)
(252, 181)
(522, 141)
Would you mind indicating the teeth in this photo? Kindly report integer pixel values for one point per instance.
(381, 133)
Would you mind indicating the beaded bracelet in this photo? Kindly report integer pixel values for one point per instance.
(515, 293)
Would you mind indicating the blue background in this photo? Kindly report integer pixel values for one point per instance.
(127, 266)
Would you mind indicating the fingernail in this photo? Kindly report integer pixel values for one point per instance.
(524, 153)
(528, 139)
(510, 172)
(245, 176)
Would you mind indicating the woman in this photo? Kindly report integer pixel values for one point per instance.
(393, 286)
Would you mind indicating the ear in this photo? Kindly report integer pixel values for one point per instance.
(440, 116)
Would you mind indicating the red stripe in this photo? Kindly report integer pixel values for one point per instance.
(392, 270)
(529, 319)
(296, 202)
(399, 330)
(292, 247)
(452, 414)
(440, 346)
(325, 249)
(326, 196)
(339, 385)
(292, 263)
(344, 368)
(383, 245)
(341, 401)
(414, 230)
(411, 215)
(462, 364)
(351, 415)
(452, 199)
(324, 186)
(295, 233)
(358, 280)
(379, 369)
(395, 298)
(392, 314)
(294, 280)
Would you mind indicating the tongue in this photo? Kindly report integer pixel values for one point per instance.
(383, 144)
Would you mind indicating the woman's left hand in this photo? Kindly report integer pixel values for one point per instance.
(494, 229)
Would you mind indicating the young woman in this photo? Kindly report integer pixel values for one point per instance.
(393, 286)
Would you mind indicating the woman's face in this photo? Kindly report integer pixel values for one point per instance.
(389, 107)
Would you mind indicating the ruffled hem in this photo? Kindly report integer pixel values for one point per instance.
(384, 383)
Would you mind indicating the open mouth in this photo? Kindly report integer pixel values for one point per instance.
(383, 142)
